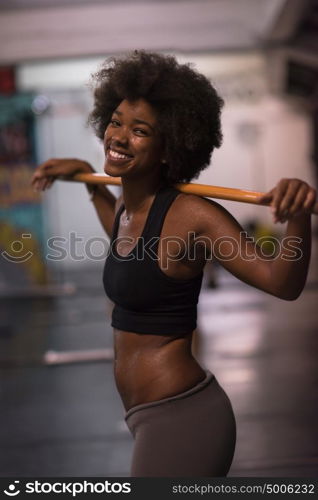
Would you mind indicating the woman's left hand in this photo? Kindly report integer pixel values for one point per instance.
(290, 198)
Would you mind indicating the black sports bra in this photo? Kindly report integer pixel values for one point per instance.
(146, 299)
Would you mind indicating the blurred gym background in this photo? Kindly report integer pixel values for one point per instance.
(60, 413)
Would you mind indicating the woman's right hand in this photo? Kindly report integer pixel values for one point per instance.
(47, 172)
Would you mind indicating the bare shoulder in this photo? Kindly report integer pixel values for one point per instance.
(200, 211)
(194, 202)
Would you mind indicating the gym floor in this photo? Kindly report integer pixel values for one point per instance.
(66, 419)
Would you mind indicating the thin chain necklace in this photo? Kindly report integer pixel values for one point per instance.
(125, 219)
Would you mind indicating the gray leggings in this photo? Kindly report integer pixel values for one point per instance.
(191, 434)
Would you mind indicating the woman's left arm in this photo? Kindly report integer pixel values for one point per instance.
(292, 200)
(285, 274)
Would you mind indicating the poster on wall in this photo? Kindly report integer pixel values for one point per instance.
(22, 260)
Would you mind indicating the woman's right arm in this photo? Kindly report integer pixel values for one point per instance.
(104, 201)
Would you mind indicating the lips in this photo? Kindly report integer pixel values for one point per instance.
(116, 155)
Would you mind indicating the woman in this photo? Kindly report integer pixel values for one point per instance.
(160, 122)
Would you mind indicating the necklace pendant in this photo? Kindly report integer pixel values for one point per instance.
(125, 220)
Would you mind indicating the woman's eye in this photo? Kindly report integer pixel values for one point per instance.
(140, 131)
(114, 122)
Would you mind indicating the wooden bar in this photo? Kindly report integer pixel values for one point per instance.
(223, 193)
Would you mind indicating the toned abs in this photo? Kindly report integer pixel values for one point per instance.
(152, 367)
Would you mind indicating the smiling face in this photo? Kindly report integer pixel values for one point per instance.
(132, 142)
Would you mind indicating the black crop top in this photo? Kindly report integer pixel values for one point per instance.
(146, 299)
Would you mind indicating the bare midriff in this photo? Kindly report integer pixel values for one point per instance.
(152, 367)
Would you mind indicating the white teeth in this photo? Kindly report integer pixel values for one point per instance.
(114, 154)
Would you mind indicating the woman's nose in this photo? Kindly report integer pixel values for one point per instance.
(119, 136)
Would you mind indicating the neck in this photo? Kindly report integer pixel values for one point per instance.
(138, 193)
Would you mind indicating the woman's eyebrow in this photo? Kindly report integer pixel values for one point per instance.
(136, 120)
(143, 122)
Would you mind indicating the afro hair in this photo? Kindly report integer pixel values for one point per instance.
(188, 107)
